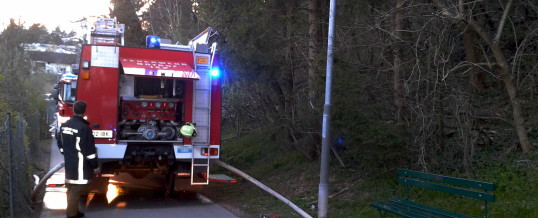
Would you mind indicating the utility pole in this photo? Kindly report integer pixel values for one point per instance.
(323, 195)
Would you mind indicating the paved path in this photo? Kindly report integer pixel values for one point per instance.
(129, 198)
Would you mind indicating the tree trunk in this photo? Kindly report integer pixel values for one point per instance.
(506, 76)
(476, 76)
(286, 79)
(314, 37)
(397, 61)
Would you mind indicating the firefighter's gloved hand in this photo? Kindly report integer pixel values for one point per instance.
(97, 170)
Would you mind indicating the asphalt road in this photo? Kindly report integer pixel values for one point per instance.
(128, 197)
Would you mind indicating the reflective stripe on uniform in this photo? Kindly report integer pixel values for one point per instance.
(80, 160)
(78, 182)
(68, 131)
(91, 156)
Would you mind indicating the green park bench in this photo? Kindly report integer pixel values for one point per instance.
(456, 186)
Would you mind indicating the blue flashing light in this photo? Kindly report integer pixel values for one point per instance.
(153, 42)
(215, 72)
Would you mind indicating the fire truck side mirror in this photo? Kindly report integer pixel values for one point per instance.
(55, 92)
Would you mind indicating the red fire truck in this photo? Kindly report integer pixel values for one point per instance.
(155, 109)
(65, 95)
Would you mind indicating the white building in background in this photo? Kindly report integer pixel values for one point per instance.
(54, 59)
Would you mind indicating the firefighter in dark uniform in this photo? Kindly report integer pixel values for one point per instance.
(76, 143)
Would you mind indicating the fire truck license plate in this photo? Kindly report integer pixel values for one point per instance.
(103, 134)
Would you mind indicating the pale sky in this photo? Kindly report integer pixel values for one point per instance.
(51, 13)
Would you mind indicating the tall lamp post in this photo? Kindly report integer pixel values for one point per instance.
(323, 196)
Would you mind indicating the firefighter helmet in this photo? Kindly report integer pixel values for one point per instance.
(188, 130)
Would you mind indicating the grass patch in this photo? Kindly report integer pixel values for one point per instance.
(295, 177)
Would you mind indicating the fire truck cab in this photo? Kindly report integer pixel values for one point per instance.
(65, 95)
(138, 99)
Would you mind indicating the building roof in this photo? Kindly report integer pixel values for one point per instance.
(53, 57)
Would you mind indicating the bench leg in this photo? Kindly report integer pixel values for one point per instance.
(381, 213)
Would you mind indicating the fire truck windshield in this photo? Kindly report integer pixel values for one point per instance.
(69, 92)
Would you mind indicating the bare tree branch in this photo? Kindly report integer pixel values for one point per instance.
(503, 20)
(504, 72)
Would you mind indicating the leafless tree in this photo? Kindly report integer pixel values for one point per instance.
(457, 14)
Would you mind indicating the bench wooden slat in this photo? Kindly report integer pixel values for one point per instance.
(448, 189)
(407, 208)
(413, 211)
(432, 210)
(487, 186)
(397, 209)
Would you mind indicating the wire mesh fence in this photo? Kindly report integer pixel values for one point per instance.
(19, 140)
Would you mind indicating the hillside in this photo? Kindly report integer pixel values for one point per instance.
(354, 187)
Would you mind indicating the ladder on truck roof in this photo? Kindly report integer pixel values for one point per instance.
(202, 110)
(107, 31)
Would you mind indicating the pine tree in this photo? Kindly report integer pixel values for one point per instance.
(126, 11)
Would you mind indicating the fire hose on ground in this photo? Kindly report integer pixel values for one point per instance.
(264, 187)
(43, 181)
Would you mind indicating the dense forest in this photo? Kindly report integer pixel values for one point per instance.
(429, 83)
